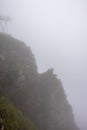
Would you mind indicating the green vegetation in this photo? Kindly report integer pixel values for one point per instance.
(12, 118)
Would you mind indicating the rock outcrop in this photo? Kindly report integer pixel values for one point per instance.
(39, 96)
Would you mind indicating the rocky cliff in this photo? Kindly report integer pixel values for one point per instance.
(39, 96)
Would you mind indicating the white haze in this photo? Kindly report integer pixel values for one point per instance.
(56, 30)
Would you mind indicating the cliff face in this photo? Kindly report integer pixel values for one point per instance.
(39, 96)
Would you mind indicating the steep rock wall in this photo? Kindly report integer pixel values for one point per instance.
(39, 96)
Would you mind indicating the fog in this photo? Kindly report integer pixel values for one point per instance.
(56, 31)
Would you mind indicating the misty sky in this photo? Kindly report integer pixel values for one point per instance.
(56, 30)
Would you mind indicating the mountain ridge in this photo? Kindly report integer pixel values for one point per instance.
(39, 96)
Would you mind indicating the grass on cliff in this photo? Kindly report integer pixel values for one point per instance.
(12, 118)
